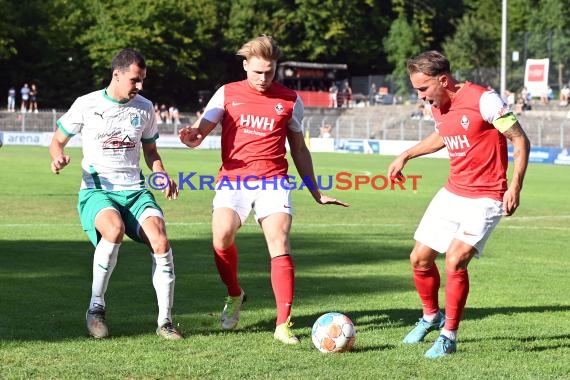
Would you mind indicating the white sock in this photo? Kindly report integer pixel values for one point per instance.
(104, 261)
(163, 280)
(429, 317)
(449, 334)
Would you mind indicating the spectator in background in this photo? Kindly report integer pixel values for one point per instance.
(157, 114)
(174, 114)
(165, 116)
(347, 95)
(25, 96)
(371, 94)
(34, 98)
(509, 98)
(546, 95)
(333, 93)
(11, 99)
(526, 95)
(564, 95)
(326, 131)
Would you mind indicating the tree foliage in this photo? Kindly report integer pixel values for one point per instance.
(65, 46)
(403, 41)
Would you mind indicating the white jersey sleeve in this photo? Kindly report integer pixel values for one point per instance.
(492, 106)
(72, 121)
(214, 111)
(296, 122)
(496, 111)
(150, 131)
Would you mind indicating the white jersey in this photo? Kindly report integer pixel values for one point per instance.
(112, 133)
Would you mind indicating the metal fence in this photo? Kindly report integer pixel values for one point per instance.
(547, 128)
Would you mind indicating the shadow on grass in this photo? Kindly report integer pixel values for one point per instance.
(46, 286)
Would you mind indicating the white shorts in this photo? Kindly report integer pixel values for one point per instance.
(264, 199)
(450, 216)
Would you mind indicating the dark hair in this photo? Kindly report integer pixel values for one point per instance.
(125, 58)
(430, 63)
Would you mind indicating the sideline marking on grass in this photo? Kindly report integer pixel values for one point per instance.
(504, 220)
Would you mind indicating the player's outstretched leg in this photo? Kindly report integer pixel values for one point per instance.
(163, 279)
(283, 284)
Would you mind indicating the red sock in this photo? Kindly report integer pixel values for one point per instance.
(427, 283)
(456, 292)
(226, 262)
(283, 283)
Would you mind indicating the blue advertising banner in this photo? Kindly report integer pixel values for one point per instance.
(358, 146)
(546, 155)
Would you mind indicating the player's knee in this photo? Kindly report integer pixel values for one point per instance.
(421, 260)
(456, 262)
(160, 244)
(223, 243)
(113, 232)
(223, 239)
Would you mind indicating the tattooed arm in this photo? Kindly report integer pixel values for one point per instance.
(521, 146)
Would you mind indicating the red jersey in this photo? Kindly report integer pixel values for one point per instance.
(254, 128)
(477, 150)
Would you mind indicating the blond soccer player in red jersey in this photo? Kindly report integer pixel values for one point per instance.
(473, 123)
(257, 116)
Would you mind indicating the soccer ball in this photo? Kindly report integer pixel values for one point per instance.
(333, 332)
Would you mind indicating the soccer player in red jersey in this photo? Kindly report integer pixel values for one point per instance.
(257, 116)
(473, 123)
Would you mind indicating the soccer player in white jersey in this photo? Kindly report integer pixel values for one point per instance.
(113, 201)
(257, 117)
(473, 123)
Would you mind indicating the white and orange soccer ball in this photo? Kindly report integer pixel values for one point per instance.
(333, 332)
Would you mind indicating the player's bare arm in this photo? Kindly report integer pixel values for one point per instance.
(154, 162)
(430, 144)
(192, 136)
(521, 151)
(59, 159)
(304, 164)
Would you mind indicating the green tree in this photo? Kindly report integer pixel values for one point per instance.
(344, 31)
(475, 48)
(403, 41)
(549, 36)
(173, 36)
(7, 32)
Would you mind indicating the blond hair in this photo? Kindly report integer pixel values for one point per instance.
(262, 47)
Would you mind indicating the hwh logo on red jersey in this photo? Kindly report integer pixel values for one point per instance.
(456, 142)
(257, 122)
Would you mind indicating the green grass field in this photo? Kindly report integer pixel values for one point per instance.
(516, 324)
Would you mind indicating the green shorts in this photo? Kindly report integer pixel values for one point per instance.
(129, 203)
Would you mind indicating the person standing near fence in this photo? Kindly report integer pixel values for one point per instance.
(473, 123)
(11, 99)
(34, 98)
(25, 97)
